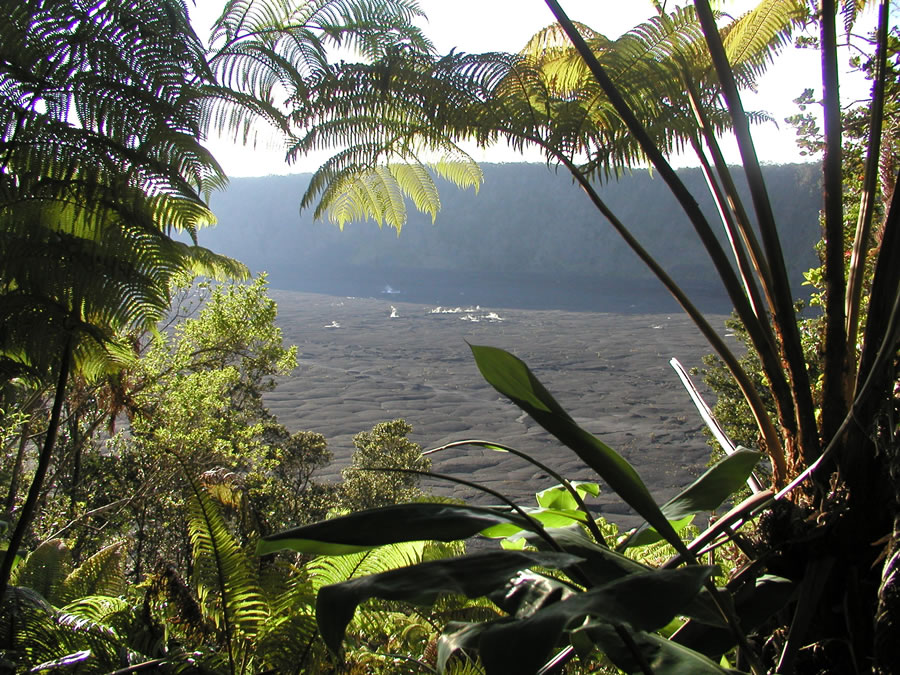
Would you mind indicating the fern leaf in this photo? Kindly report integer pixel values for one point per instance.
(45, 569)
(102, 574)
(223, 575)
(753, 39)
(326, 570)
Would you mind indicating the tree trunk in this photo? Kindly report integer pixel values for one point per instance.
(37, 483)
(887, 616)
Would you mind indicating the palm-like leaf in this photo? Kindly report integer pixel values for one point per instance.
(327, 570)
(100, 160)
(266, 51)
(408, 103)
(289, 641)
(45, 569)
(48, 570)
(100, 122)
(103, 574)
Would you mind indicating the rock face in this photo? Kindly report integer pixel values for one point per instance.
(529, 232)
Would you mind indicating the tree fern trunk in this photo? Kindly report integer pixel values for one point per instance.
(37, 483)
(887, 616)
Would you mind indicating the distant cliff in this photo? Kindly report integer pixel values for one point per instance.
(528, 226)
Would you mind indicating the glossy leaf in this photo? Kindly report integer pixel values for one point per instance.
(390, 525)
(664, 657)
(753, 605)
(557, 497)
(551, 518)
(473, 576)
(602, 564)
(512, 378)
(704, 495)
(646, 601)
(528, 592)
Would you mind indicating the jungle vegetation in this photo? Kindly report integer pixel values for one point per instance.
(105, 106)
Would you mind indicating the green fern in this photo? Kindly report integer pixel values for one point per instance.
(327, 570)
(45, 570)
(224, 579)
(103, 574)
(389, 111)
(32, 632)
(102, 162)
(754, 38)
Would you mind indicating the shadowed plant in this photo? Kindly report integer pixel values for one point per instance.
(597, 106)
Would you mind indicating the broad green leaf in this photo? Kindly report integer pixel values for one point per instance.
(602, 564)
(512, 378)
(557, 497)
(390, 525)
(704, 495)
(647, 535)
(473, 576)
(528, 592)
(664, 657)
(753, 605)
(645, 601)
(715, 486)
(546, 517)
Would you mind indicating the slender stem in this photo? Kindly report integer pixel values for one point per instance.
(17, 470)
(737, 207)
(719, 192)
(591, 525)
(26, 515)
(867, 201)
(747, 387)
(874, 374)
(834, 391)
(737, 249)
(629, 642)
(538, 527)
(29, 406)
(785, 318)
(691, 209)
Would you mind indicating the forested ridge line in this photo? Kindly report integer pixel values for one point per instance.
(526, 220)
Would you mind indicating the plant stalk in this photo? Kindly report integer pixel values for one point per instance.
(688, 204)
(869, 188)
(26, 515)
(785, 318)
(748, 389)
(834, 389)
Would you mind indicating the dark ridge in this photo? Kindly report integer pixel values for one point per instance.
(530, 238)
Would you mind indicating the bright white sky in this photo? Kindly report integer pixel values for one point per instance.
(506, 25)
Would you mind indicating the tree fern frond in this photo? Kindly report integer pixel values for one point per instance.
(103, 574)
(203, 261)
(45, 569)
(101, 116)
(290, 642)
(752, 41)
(462, 171)
(101, 609)
(32, 632)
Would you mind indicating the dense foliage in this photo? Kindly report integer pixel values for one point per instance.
(827, 524)
(105, 107)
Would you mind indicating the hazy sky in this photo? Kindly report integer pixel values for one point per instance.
(505, 25)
